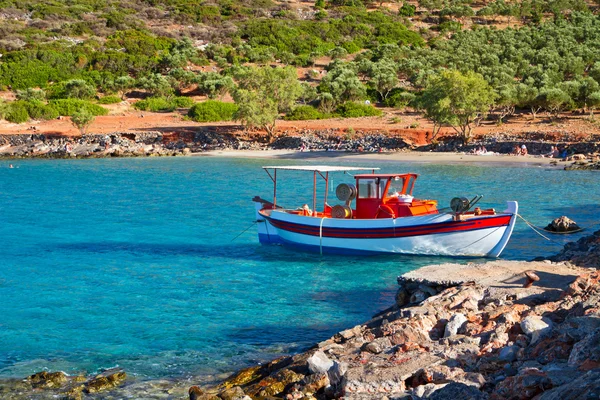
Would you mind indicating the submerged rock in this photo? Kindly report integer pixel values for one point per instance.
(562, 224)
(105, 381)
(47, 379)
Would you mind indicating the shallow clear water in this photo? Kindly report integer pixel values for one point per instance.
(131, 262)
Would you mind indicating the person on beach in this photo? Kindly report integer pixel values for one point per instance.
(11, 166)
(523, 150)
(553, 152)
(516, 151)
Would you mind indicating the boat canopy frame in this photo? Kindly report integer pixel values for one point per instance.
(315, 169)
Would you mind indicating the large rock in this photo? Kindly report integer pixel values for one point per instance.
(452, 327)
(562, 224)
(586, 353)
(105, 381)
(48, 380)
(460, 391)
(319, 363)
(536, 327)
(526, 385)
(586, 386)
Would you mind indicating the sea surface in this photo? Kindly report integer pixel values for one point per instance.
(153, 265)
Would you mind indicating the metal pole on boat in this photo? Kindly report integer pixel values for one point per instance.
(314, 193)
(275, 189)
(326, 189)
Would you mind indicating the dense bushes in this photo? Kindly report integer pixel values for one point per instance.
(70, 106)
(109, 100)
(212, 111)
(163, 104)
(345, 110)
(355, 110)
(302, 113)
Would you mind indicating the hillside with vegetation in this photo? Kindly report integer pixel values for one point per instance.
(456, 62)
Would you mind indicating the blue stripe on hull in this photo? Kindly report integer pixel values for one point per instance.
(269, 239)
(331, 250)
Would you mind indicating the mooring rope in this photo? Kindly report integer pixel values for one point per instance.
(240, 234)
(535, 229)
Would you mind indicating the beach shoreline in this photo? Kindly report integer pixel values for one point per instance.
(427, 157)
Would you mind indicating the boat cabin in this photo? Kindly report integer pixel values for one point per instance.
(389, 196)
(375, 195)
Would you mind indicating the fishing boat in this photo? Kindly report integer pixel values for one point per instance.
(378, 214)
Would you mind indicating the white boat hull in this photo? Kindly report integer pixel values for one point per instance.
(436, 234)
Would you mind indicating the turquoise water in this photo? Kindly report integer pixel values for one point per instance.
(131, 263)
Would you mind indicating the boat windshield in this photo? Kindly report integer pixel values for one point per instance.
(371, 188)
(396, 186)
(368, 189)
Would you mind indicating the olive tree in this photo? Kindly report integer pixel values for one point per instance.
(456, 99)
(263, 93)
(82, 119)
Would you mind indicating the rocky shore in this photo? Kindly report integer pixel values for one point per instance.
(584, 155)
(497, 330)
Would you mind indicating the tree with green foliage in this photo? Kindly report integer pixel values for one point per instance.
(122, 85)
(157, 84)
(82, 119)
(555, 100)
(593, 102)
(263, 93)
(309, 92)
(31, 94)
(506, 100)
(343, 83)
(213, 84)
(78, 89)
(383, 77)
(458, 100)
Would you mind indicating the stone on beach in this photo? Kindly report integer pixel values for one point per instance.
(319, 363)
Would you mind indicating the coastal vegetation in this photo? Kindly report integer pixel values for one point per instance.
(300, 60)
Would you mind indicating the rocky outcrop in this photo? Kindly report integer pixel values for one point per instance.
(584, 253)
(125, 144)
(483, 331)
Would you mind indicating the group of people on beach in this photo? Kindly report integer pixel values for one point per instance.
(554, 152)
(479, 150)
(520, 150)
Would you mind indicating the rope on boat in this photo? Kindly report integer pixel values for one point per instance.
(321, 236)
(240, 234)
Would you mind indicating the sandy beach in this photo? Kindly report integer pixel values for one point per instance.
(404, 156)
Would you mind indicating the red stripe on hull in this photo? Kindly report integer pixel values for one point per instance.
(394, 232)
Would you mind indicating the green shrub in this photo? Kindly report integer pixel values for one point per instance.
(302, 113)
(163, 104)
(30, 94)
(183, 102)
(40, 110)
(109, 100)
(212, 111)
(70, 106)
(399, 98)
(155, 104)
(17, 112)
(407, 10)
(354, 110)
